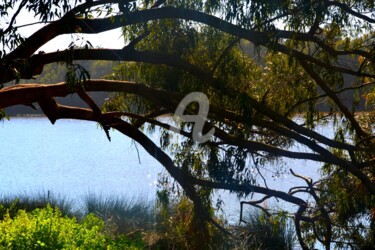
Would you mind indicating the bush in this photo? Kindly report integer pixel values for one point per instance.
(46, 228)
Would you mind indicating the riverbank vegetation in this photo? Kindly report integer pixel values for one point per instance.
(48, 222)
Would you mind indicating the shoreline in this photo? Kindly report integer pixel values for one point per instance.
(27, 116)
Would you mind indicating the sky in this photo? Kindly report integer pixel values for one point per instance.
(110, 39)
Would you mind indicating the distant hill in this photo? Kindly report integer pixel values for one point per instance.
(54, 73)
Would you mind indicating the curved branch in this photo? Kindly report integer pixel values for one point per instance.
(12, 21)
(70, 24)
(297, 222)
(34, 65)
(55, 111)
(29, 93)
(328, 236)
(129, 54)
(347, 9)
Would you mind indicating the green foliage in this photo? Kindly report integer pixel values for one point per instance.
(76, 76)
(201, 46)
(56, 72)
(227, 60)
(47, 229)
(52, 73)
(110, 222)
(3, 115)
(353, 205)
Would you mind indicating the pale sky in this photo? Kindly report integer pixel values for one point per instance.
(110, 39)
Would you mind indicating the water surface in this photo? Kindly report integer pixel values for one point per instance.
(72, 158)
(75, 158)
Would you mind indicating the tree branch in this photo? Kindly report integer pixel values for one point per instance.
(350, 11)
(70, 24)
(361, 133)
(297, 222)
(327, 219)
(29, 93)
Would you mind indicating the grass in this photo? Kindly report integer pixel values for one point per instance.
(132, 217)
(121, 214)
(264, 232)
(30, 202)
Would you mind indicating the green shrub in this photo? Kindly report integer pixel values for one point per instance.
(46, 228)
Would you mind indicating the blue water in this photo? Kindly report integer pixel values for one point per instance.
(74, 158)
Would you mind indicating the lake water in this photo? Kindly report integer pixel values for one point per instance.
(74, 158)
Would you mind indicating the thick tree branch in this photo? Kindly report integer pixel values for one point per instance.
(186, 181)
(56, 111)
(29, 93)
(70, 24)
(34, 65)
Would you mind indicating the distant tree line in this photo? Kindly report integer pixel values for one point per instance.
(55, 73)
